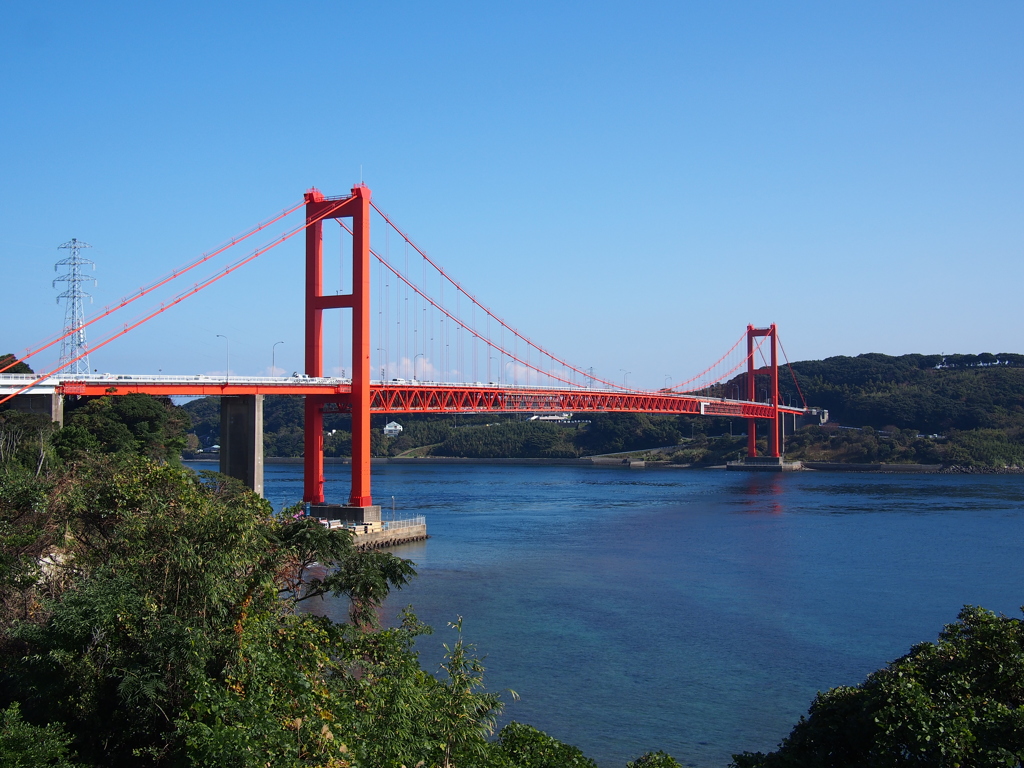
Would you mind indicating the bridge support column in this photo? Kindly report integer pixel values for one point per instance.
(50, 405)
(241, 439)
(313, 451)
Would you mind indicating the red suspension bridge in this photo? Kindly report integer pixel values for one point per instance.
(437, 348)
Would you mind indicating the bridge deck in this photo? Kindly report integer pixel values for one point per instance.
(406, 396)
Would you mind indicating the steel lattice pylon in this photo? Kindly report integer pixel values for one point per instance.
(74, 356)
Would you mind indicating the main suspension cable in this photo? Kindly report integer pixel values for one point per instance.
(480, 304)
(153, 286)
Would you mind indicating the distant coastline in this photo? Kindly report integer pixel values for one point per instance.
(621, 463)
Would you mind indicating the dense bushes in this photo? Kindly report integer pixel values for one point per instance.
(957, 702)
(153, 616)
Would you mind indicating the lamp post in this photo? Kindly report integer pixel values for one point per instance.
(668, 378)
(418, 356)
(504, 370)
(273, 365)
(227, 357)
(625, 375)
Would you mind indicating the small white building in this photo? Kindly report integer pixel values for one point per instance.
(393, 429)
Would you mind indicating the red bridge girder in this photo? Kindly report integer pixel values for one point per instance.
(450, 398)
(454, 398)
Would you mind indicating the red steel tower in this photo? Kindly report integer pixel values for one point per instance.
(773, 393)
(318, 209)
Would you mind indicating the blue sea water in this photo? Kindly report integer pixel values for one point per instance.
(695, 611)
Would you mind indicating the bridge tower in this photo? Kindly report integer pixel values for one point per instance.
(319, 209)
(773, 392)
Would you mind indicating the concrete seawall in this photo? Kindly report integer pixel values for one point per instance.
(381, 539)
(830, 466)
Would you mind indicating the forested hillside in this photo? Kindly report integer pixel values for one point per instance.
(928, 393)
(965, 410)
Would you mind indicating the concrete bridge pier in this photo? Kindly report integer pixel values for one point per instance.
(50, 405)
(241, 439)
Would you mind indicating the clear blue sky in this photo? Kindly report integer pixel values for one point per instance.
(629, 184)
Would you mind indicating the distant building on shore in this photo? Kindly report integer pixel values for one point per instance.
(551, 417)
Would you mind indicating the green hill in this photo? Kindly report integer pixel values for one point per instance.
(928, 393)
(963, 410)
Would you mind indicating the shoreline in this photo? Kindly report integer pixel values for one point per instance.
(616, 463)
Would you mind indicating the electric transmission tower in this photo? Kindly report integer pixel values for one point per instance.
(73, 345)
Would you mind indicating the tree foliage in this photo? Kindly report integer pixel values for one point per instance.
(927, 393)
(7, 358)
(142, 424)
(523, 746)
(955, 703)
(26, 440)
(153, 614)
(23, 745)
(521, 439)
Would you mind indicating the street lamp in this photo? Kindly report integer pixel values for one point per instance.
(504, 370)
(625, 374)
(227, 357)
(668, 378)
(273, 349)
(418, 356)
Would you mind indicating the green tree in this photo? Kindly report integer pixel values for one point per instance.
(464, 715)
(154, 614)
(7, 358)
(957, 702)
(23, 745)
(523, 746)
(26, 440)
(142, 424)
(654, 760)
